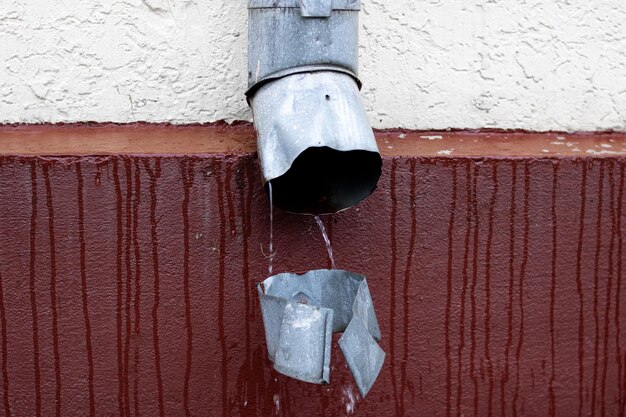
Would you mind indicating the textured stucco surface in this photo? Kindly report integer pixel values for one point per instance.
(536, 64)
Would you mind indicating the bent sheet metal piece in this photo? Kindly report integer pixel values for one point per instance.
(300, 313)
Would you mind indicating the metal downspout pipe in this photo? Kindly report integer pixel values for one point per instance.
(315, 143)
(318, 150)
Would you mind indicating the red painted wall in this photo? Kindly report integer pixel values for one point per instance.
(128, 287)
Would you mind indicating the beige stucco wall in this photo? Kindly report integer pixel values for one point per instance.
(537, 64)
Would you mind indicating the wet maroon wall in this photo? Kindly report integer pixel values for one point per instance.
(128, 287)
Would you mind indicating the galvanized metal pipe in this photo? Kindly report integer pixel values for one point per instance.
(314, 139)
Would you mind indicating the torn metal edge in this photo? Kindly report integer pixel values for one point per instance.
(359, 343)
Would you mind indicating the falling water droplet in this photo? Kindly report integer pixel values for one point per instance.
(277, 403)
(349, 399)
(329, 247)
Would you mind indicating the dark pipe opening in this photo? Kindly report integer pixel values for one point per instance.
(323, 181)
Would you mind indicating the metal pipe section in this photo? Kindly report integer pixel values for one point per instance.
(314, 139)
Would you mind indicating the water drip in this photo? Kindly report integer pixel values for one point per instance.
(271, 255)
(329, 247)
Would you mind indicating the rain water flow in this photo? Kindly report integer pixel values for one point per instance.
(271, 256)
(329, 248)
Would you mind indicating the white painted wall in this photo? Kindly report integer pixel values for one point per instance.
(531, 64)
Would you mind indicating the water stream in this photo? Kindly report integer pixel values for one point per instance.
(320, 223)
(271, 255)
(329, 247)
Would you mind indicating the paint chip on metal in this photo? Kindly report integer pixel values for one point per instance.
(300, 313)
